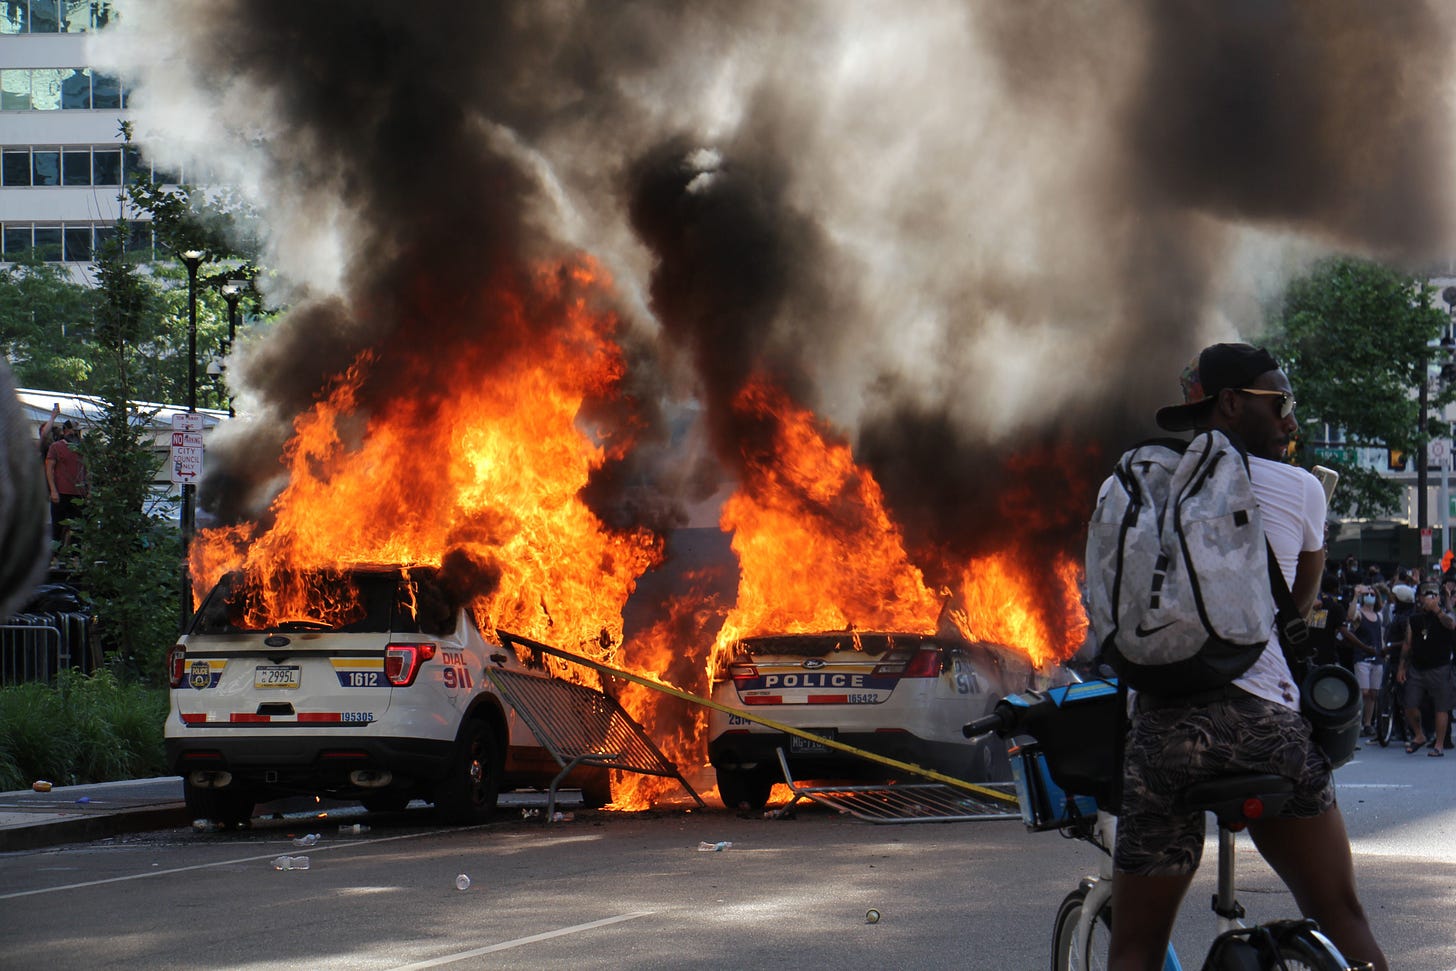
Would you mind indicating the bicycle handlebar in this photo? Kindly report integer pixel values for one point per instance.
(1002, 720)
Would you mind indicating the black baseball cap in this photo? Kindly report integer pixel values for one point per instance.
(1217, 367)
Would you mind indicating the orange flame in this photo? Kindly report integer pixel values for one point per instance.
(490, 472)
(815, 546)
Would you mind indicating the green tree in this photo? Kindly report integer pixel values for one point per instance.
(1354, 338)
(45, 325)
(129, 564)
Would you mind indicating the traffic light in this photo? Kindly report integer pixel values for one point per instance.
(1395, 459)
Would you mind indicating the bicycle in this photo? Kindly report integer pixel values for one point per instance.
(1061, 781)
(1389, 718)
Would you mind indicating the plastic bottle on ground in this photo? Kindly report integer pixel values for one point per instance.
(308, 840)
(718, 847)
(290, 863)
(355, 828)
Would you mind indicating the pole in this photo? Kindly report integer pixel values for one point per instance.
(1445, 503)
(1422, 520)
(192, 259)
(232, 294)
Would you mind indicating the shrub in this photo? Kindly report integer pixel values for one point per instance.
(85, 729)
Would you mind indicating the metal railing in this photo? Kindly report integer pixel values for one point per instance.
(31, 653)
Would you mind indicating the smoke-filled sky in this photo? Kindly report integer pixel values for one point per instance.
(954, 229)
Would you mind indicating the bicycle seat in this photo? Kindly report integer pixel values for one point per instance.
(1234, 798)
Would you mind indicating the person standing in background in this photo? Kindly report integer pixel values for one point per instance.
(1425, 670)
(1365, 652)
(66, 476)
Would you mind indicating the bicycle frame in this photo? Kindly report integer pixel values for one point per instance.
(1099, 888)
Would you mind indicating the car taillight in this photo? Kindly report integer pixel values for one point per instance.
(402, 662)
(176, 664)
(740, 671)
(924, 663)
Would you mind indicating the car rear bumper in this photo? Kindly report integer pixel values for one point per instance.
(746, 750)
(320, 763)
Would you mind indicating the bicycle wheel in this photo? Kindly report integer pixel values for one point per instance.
(1288, 945)
(1067, 948)
(1384, 723)
(1306, 949)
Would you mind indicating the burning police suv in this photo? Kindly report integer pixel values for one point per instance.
(900, 695)
(376, 692)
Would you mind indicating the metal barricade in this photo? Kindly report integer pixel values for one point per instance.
(579, 725)
(30, 652)
(908, 802)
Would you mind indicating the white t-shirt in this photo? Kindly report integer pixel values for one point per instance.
(1292, 504)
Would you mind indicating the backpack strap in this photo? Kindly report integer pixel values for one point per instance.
(1293, 631)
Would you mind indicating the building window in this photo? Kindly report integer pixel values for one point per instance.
(15, 167)
(48, 243)
(83, 15)
(133, 166)
(106, 92)
(45, 166)
(45, 88)
(76, 167)
(139, 240)
(76, 88)
(106, 166)
(78, 244)
(16, 240)
(45, 16)
(15, 90)
(104, 235)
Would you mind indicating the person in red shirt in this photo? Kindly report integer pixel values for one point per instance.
(66, 477)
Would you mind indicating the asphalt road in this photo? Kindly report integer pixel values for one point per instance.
(614, 890)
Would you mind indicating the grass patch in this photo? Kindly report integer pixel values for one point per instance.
(84, 729)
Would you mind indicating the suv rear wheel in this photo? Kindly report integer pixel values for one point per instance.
(746, 788)
(231, 805)
(468, 794)
(392, 802)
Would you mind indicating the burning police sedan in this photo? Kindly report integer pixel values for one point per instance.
(896, 694)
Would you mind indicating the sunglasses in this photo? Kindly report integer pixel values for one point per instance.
(1286, 400)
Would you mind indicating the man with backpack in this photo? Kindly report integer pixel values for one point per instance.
(1225, 703)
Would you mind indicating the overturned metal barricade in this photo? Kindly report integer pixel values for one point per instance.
(579, 725)
(908, 802)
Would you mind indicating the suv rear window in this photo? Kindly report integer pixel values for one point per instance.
(352, 601)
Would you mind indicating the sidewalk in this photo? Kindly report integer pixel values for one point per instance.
(69, 814)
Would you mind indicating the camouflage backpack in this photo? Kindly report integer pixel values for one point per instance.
(1178, 567)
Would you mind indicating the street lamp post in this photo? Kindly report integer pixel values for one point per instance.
(232, 292)
(191, 259)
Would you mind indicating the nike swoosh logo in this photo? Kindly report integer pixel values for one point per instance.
(1150, 632)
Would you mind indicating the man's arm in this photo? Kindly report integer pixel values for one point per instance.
(50, 467)
(1307, 576)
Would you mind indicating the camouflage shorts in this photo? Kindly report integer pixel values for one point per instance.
(1172, 748)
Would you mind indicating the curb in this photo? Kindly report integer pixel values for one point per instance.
(92, 827)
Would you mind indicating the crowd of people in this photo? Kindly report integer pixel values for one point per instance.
(1397, 626)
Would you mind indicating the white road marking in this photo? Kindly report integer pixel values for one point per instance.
(242, 859)
(520, 941)
(1371, 785)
